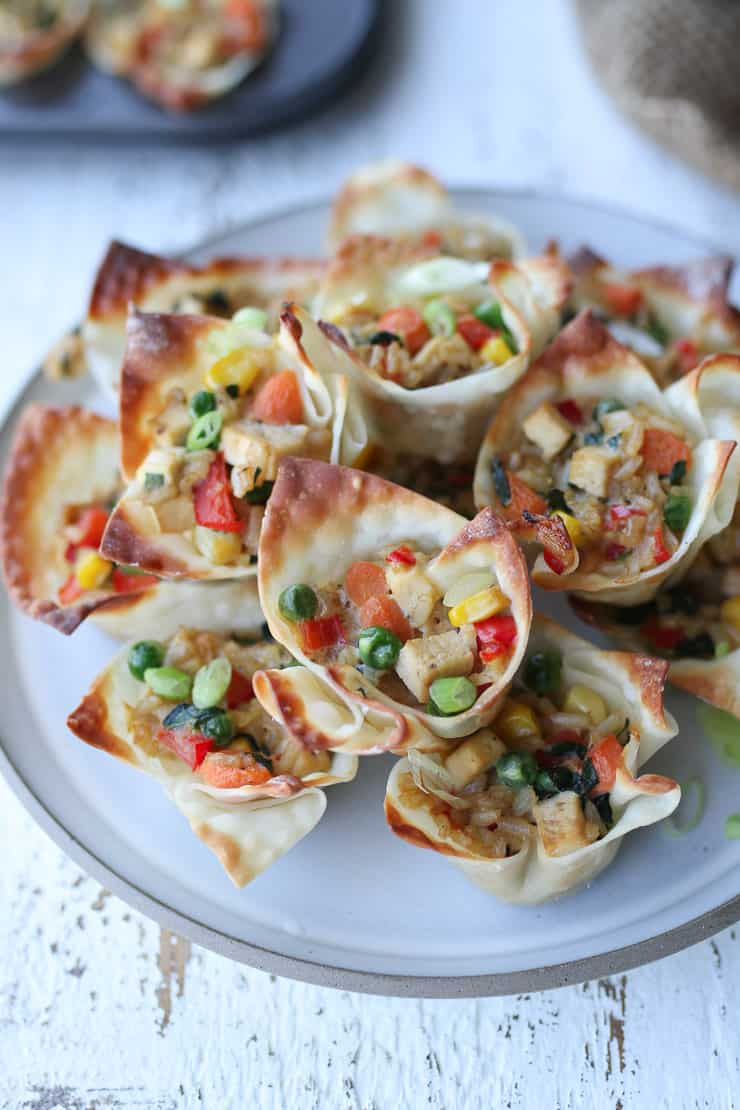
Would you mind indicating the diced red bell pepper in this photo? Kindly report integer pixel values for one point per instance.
(70, 591)
(322, 632)
(212, 499)
(622, 299)
(564, 736)
(660, 551)
(495, 631)
(409, 324)
(613, 552)
(687, 353)
(191, 747)
(606, 757)
(239, 691)
(553, 561)
(90, 526)
(492, 651)
(666, 637)
(618, 513)
(132, 583)
(474, 331)
(571, 411)
(402, 555)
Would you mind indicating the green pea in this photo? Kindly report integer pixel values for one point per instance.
(452, 695)
(205, 432)
(298, 603)
(169, 682)
(211, 683)
(491, 314)
(379, 648)
(609, 404)
(439, 318)
(217, 726)
(677, 511)
(143, 656)
(542, 671)
(254, 319)
(202, 402)
(517, 769)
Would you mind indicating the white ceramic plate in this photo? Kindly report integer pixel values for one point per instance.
(352, 906)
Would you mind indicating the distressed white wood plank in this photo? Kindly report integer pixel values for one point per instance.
(99, 1008)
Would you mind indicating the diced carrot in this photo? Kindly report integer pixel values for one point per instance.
(70, 591)
(408, 323)
(523, 499)
(363, 581)
(606, 757)
(662, 449)
(386, 613)
(321, 632)
(279, 400)
(231, 775)
(623, 300)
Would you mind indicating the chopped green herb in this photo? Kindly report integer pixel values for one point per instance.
(604, 809)
(517, 769)
(384, 339)
(657, 330)
(260, 494)
(587, 779)
(700, 646)
(501, 482)
(556, 501)
(609, 404)
(202, 402)
(233, 390)
(592, 438)
(153, 481)
(544, 785)
(677, 511)
(217, 726)
(678, 472)
(542, 671)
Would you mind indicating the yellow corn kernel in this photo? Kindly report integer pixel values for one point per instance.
(92, 571)
(573, 526)
(496, 350)
(515, 721)
(581, 699)
(238, 368)
(729, 611)
(218, 547)
(478, 607)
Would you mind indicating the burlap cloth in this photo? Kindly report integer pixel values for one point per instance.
(674, 67)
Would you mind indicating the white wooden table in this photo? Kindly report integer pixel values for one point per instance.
(99, 1008)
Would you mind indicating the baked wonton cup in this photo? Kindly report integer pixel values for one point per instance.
(396, 198)
(537, 805)
(410, 325)
(588, 435)
(249, 795)
(128, 276)
(60, 481)
(34, 39)
(343, 552)
(194, 506)
(672, 316)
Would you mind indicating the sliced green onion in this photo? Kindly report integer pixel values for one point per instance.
(254, 319)
(501, 483)
(723, 732)
(657, 329)
(143, 656)
(517, 769)
(202, 402)
(732, 827)
(439, 318)
(542, 671)
(449, 696)
(205, 432)
(693, 788)
(169, 682)
(677, 511)
(379, 648)
(609, 404)
(298, 603)
(211, 683)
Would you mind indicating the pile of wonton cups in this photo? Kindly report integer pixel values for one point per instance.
(318, 517)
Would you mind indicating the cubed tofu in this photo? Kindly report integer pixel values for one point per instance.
(173, 423)
(256, 449)
(473, 756)
(546, 428)
(219, 548)
(176, 515)
(415, 593)
(590, 468)
(562, 824)
(427, 658)
(165, 464)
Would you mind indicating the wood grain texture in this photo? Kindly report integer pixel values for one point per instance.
(99, 1008)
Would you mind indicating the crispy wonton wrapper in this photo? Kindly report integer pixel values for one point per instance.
(30, 52)
(321, 519)
(633, 683)
(248, 828)
(444, 421)
(585, 361)
(128, 276)
(168, 352)
(67, 457)
(397, 198)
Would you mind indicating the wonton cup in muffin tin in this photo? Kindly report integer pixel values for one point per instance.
(395, 198)
(64, 461)
(583, 367)
(531, 843)
(431, 385)
(153, 283)
(32, 40)
(328, 528)
(268, 400)
(250, 799)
